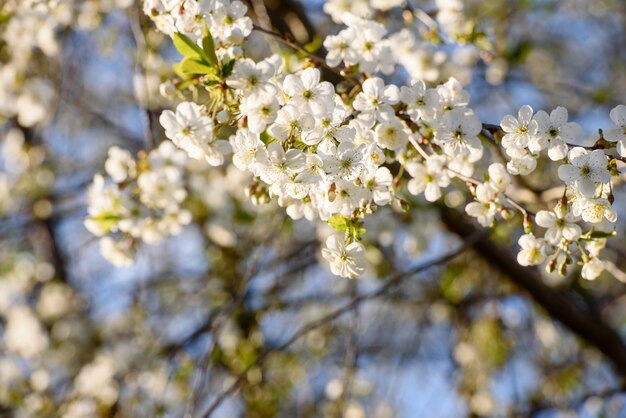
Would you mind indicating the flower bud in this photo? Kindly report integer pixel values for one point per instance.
(223, 116)
(561, 208)
(167, 90)
(563, 266)
(528, 224)
(506, 213)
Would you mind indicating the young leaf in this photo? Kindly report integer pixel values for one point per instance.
(266, 138)
(338, 222)
(208, 45)
(178, 69)
(602, 234)
(227, 69)
(192, 65)
(188, 48)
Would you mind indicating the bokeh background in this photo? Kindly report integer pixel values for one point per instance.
(240, 295)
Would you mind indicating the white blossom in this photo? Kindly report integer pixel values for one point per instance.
(261, 111)
(451, 96)
(375, 101)
(522, 162)
(252, 78)
(119, 164)
(345, 260)
(458, 132)
(275, 166)
(346, 163)
(532, 250)
(392, 135)
(499, 179)
(594, 210)
(192, 131)
(585, 171)
(519, 132)
(290, 122)
(592, 269)
(120, 253)
(420, 101)
(428, 178)
(484, 209)
(553, 132)
(228, 21)
(308, 93)
(378, 181)
(245, 145)
(559, 225)
(329, 127)
(618, 134)
(340, 48)
(345, 198)
(371, 51)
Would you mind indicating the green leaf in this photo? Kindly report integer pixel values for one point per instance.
(613, 168)
(227, 69)
(338, 222)
(106, 220)
(4, 16)
(601, 234)
(178, 69)
(192, 65)
(185, 84)
(266, 138)
(314, 45)
(208, 45)
(593, 234)
(188, 48)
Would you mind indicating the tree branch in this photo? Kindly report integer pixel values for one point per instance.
(560, 305)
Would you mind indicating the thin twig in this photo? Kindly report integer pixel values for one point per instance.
(471, 180)
(390, 283)
(286, 39)
(215, 325)
(134, 19)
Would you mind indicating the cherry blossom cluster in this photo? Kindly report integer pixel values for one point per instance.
(361, 8)
(336, 155)
(361, 44)
(227, 19)
(49, 362)
(588, 195)
(138, 200)
(320, 157)
(28, 31)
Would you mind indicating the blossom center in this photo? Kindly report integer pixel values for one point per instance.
(585, 170)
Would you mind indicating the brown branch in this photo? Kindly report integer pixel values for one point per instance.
(331, 74)
(43, 232)
(561, 305)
